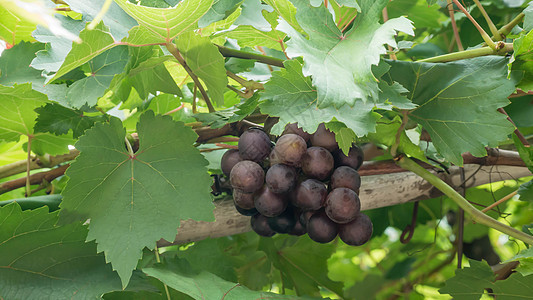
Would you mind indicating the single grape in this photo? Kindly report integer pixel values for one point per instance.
(293, 128)
(345, 177)
(298, 229)
(304, 217)
(243, 200)
(269, 203)
(229, 159)
(280, 178)
(310, 194)
(246, 212)
(284, 223)
(260, 225)
(273, 158)
(324, 138)
(254, 145)
(356, 232)
(354, 159)
(290, 149)
(247, 176)
(320, 228)
(317, 163)
(342, 205)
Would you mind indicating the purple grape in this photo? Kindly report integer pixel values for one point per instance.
(260, 225)
(284, 223)
(229, 159)
(269, 203)
(324, 138)
(247, 176)
(243, 200)
(354, 159)
(310, 194)
(280, 178)
(290, 149)
(317, 163)
(304, 217)
(345, 177)
(342, 205)
(356, 232)
(246, 212)
(298, 229)
(293, 128)
(320, 228)
(254, 145)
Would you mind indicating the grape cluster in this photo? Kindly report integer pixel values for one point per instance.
(303, 184)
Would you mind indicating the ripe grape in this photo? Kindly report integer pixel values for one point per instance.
(310, 194)
(273, 158)
(293, 128)
(324, 138)
(246, 212)
(320, 228)
(342, 205)
(280, 178)
(247, 176)
(345, 177)
(260, 225)
(356, 232)
(290, 149)
(283, 223)
(298, 229)
(304, 217)
(229, 159)
(243, 200)
(317, 163)
(269, 203)
(354, 159)
(254, 145)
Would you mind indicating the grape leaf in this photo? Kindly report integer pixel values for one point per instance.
(56, 48)
(15, 68)
(220, 10)
(133, 201)
(59, 120)
(206, 285)
(523, 60)
(291, 97)
(340, 63)
(118, 22)
(528, 18)
(94, 42)
(252, 14)
(526, 191)
(43, 261)
(344, 136)
(14, 29)
(458, 101)
(151, 76)
(162, 25)
(222, 117)
(287, 11)
(17, 118)
(206, 62)
(248, 36)
(469, 283)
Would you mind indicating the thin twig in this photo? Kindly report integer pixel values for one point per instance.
(175, 52)
(470, 53)
(454, 26)
(156, 252)
(385, 14)
(511, 195)
(492, 27)
(519, 134)
(228, 52)
(506, 29)
(175, 109)
(264, 53)
(195, 90)
(394, 148)
(484, 35)
(28, 168)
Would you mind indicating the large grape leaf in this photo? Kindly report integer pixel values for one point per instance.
(206, 62)
(43, 261)
(340, 63)
(523, 60)
(457, 102)
(162, 25)
(287, 11)
(302, 264)
(528, 17)
(220, 10)
(133, 201)
(469, 284)
(291, 97)
(14, 29)
(17, 118)
(206, 285)
(151, 76)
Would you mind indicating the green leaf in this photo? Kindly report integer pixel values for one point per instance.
(220, 10)
(528, 18)
(469, 283)
(206, 62)
(206, 285)
(291, 97)
(523, 60)
(14, 29)
(162, 25)
(249, 36)
(340, 63)
(302, 264)
(151, 76)
(526, 191)
(287, 11)
(94, 42)
(59, 120)
(526, 153)
(344, 136)
(43, 261)
(133, 201)
(457, 102)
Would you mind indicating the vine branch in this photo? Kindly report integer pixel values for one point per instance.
(477, 216)
(495, 33)
(228, 52)
(483, 51)
(484, 35)
(454, 27)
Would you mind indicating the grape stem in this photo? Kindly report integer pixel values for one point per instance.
(502, 48)
(476, 215)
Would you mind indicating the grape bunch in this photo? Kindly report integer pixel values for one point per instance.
(303, 184)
